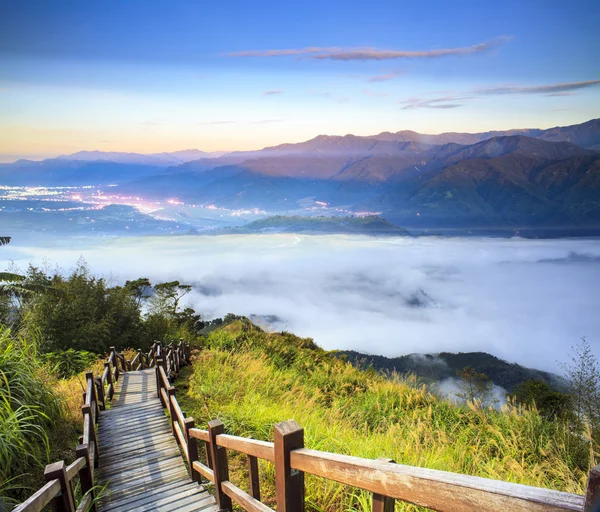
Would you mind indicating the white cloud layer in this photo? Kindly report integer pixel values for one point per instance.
(523, 300)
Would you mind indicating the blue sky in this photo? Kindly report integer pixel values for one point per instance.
(153, 76)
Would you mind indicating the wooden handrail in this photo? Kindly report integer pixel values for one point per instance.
(438, 490)
(40, 499)
(243, 499)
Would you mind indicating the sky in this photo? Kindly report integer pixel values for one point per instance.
(151, 76)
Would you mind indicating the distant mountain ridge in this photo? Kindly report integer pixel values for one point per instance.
(537, 181)
(156, 159)
(437, 367)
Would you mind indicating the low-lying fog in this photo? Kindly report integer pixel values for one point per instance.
(526, 301)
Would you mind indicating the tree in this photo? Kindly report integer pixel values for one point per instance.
(14, 288)
(549, 402)
(88, 315)
(167, 296)
(139, 288)
(474, 386)
(583, 375)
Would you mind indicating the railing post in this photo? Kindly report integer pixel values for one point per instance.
(86, 409)
(159, 382)
(289, 483)
(115, 362)
(64, 502)
(99, 393)
(111, 386)
(592, 495)
(141, 359)
(219, 458)
(89, 377)
(253, 477)
(171, 408)
(86, 474)
(383, 503)
(192, 448)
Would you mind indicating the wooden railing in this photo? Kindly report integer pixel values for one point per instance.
(387, 481)
(58, 492)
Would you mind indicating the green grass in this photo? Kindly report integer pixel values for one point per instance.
(40, 413)
(251, 380)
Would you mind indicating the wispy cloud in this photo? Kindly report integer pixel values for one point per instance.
(449, 101)
(272, 92)
(561, 89)
(383, 78)
(370, 53)
(445, 102)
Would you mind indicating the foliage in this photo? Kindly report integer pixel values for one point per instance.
(67, 363)
(549, 402)
(88, 315)
(252, 379)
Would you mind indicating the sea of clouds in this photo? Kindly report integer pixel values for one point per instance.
(525, 301)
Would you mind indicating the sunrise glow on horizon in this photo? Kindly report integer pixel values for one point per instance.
(150, 77)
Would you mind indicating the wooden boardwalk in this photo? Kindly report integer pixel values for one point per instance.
(140, 460)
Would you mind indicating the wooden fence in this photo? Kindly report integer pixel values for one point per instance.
(59, 489)
(387, 481)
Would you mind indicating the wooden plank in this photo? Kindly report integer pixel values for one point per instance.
(205, 471)
(259, 449)
(181, 439)
(142, 460)
(178, 412)
(166, 500)
(40, 498)
(155, 468)
(243, 499)
(200, 434)
(74, 468)
(124, 503)
(430, 488)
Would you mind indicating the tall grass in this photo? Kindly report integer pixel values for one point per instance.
(29, 407)
(251, 380)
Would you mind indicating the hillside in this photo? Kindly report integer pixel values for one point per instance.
(367, 225)
(436, 367)
(252, 379)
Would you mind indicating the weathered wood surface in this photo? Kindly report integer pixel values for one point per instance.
(139, 457)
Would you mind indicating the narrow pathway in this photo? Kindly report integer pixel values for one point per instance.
(139, 458)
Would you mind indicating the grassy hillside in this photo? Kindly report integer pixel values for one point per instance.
(251, 380)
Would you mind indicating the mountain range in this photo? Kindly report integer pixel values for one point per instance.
(516, 180)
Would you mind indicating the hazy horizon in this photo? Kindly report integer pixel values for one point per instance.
(4, 158)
